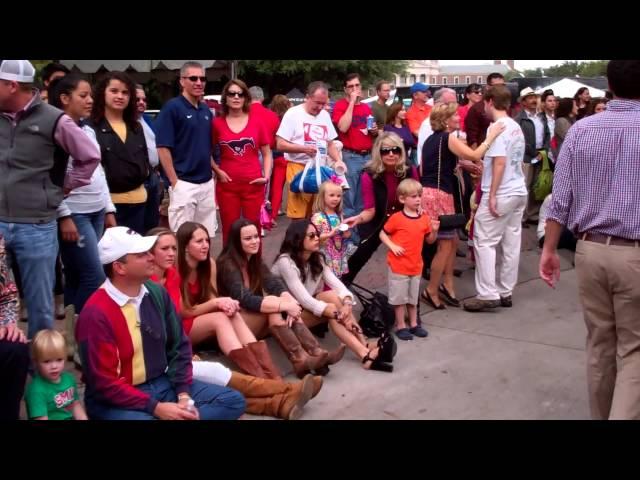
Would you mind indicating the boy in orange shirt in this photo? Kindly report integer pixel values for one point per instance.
(404, 234)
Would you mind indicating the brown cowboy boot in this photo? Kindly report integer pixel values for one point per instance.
(246, 361)
(254, 387)
(262, 355)
(288, 405)
(290, 344)
(312, 346)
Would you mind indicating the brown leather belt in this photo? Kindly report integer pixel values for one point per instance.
(608, 240)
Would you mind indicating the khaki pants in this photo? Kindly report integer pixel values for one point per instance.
(489, 232)
(531, 172)
(193, 202)
(609, 285)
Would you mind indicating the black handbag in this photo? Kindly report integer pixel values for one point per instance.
(377, 315)
(456, 220)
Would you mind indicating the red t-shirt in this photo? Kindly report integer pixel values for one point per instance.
(408, 233)
(172, 284)
(239, 151)
(268, 119)
(354, 139)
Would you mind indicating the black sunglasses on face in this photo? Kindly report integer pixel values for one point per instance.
(195, 78)
(387, 150)
(235, 94)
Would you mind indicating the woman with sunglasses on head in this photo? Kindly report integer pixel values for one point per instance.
(241, 138)
(472, 95)
(264, 396)
(440, 154)
(125, 158)
(397, 123)
(306, 275)
(380, 178)
(265, 301)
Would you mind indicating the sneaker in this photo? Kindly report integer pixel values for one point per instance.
(479, 305)
(506, 301)
(418, 331)
(404, 334)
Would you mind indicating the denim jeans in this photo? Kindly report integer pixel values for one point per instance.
(131, 215)
(34, 247)
(353, 197)
(213, 402)
(82, 268)
(151, 209)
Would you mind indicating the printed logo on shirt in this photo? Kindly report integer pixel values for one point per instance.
(313, 133)
(359, 121)
(239, 146)
(63, 399)
(189, 116)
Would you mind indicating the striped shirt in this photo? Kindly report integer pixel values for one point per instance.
(596, 186)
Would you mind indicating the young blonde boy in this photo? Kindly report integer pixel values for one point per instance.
(53, 393)
(404, 234)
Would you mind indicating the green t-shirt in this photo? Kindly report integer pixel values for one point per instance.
(52, 400)
(379, 113)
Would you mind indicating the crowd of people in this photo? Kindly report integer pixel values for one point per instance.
(85, 174)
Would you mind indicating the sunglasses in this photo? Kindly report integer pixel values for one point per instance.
(235, 94)
(312, 235)
(141, 100)
(195, 78)
(388, 150)
(477, 91)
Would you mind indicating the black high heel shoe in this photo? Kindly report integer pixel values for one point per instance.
(388, 347)
(377, 363)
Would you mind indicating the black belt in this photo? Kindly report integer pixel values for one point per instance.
(608, 239)
(358, 152)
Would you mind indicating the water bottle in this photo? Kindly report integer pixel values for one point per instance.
(370, 119)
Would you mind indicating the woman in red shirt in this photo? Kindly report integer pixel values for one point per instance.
(205, 315)
(473, 95)
(241, 137)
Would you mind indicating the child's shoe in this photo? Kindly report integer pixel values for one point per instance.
(418, 331)
(404, 334)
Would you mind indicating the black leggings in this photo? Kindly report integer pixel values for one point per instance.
(14, 361)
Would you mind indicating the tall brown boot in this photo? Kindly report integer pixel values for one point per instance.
(290, 344)
(261, 352)
(312, 346)
(254, 387)
(246, 361)
(287, 405)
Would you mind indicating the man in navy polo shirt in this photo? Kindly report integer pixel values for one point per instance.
(183, 138)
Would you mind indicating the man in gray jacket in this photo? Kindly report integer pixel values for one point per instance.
(537, 140)
(36, 141)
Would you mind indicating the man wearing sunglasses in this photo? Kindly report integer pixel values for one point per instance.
(183, 138)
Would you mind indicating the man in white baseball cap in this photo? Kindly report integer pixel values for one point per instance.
(33, 181)
(136, 358)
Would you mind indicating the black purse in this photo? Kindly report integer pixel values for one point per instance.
(456, 220)
(378, 316)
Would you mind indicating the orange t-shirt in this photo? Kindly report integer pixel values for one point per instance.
(416, 115)
(408, 233)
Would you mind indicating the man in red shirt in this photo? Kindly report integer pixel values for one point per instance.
(419, 111)
(268, 118)
(350, 116)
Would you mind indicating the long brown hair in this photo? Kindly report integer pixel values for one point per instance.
(203, 269)
(130, 114)
(225, 91)
(234, 258)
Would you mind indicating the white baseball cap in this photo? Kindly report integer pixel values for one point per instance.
(17, 71)
(120, 241)
(527, 92)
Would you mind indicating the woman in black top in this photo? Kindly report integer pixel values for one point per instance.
(440, 154)
(264, 300)
(123, 147)
(582, 99)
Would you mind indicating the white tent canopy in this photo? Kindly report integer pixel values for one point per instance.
(567, 88)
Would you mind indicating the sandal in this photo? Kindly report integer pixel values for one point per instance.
(450, 299)
(429, 301)
(376, 363)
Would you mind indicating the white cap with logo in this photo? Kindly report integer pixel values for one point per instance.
(17, 71)
(120, 241)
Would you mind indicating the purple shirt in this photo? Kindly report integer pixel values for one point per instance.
(404, 133)
(596, 186)
(70, 137)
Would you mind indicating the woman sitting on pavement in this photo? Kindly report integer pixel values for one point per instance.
(380, 178)
(205, 315)
(264, 396)
(440, 154)
(301, 266)
(264, 300)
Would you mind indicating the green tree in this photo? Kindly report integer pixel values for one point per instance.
(571, 69)
(280, 76)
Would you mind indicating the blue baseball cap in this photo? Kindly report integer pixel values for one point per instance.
(419, 87)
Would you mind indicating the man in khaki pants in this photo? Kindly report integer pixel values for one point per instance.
(596, 195)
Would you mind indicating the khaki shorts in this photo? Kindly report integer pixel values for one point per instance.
(298, 204)
(403, 289)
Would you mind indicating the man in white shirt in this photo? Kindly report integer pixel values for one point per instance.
(499, 216)
(302, 127)
(152, 184)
